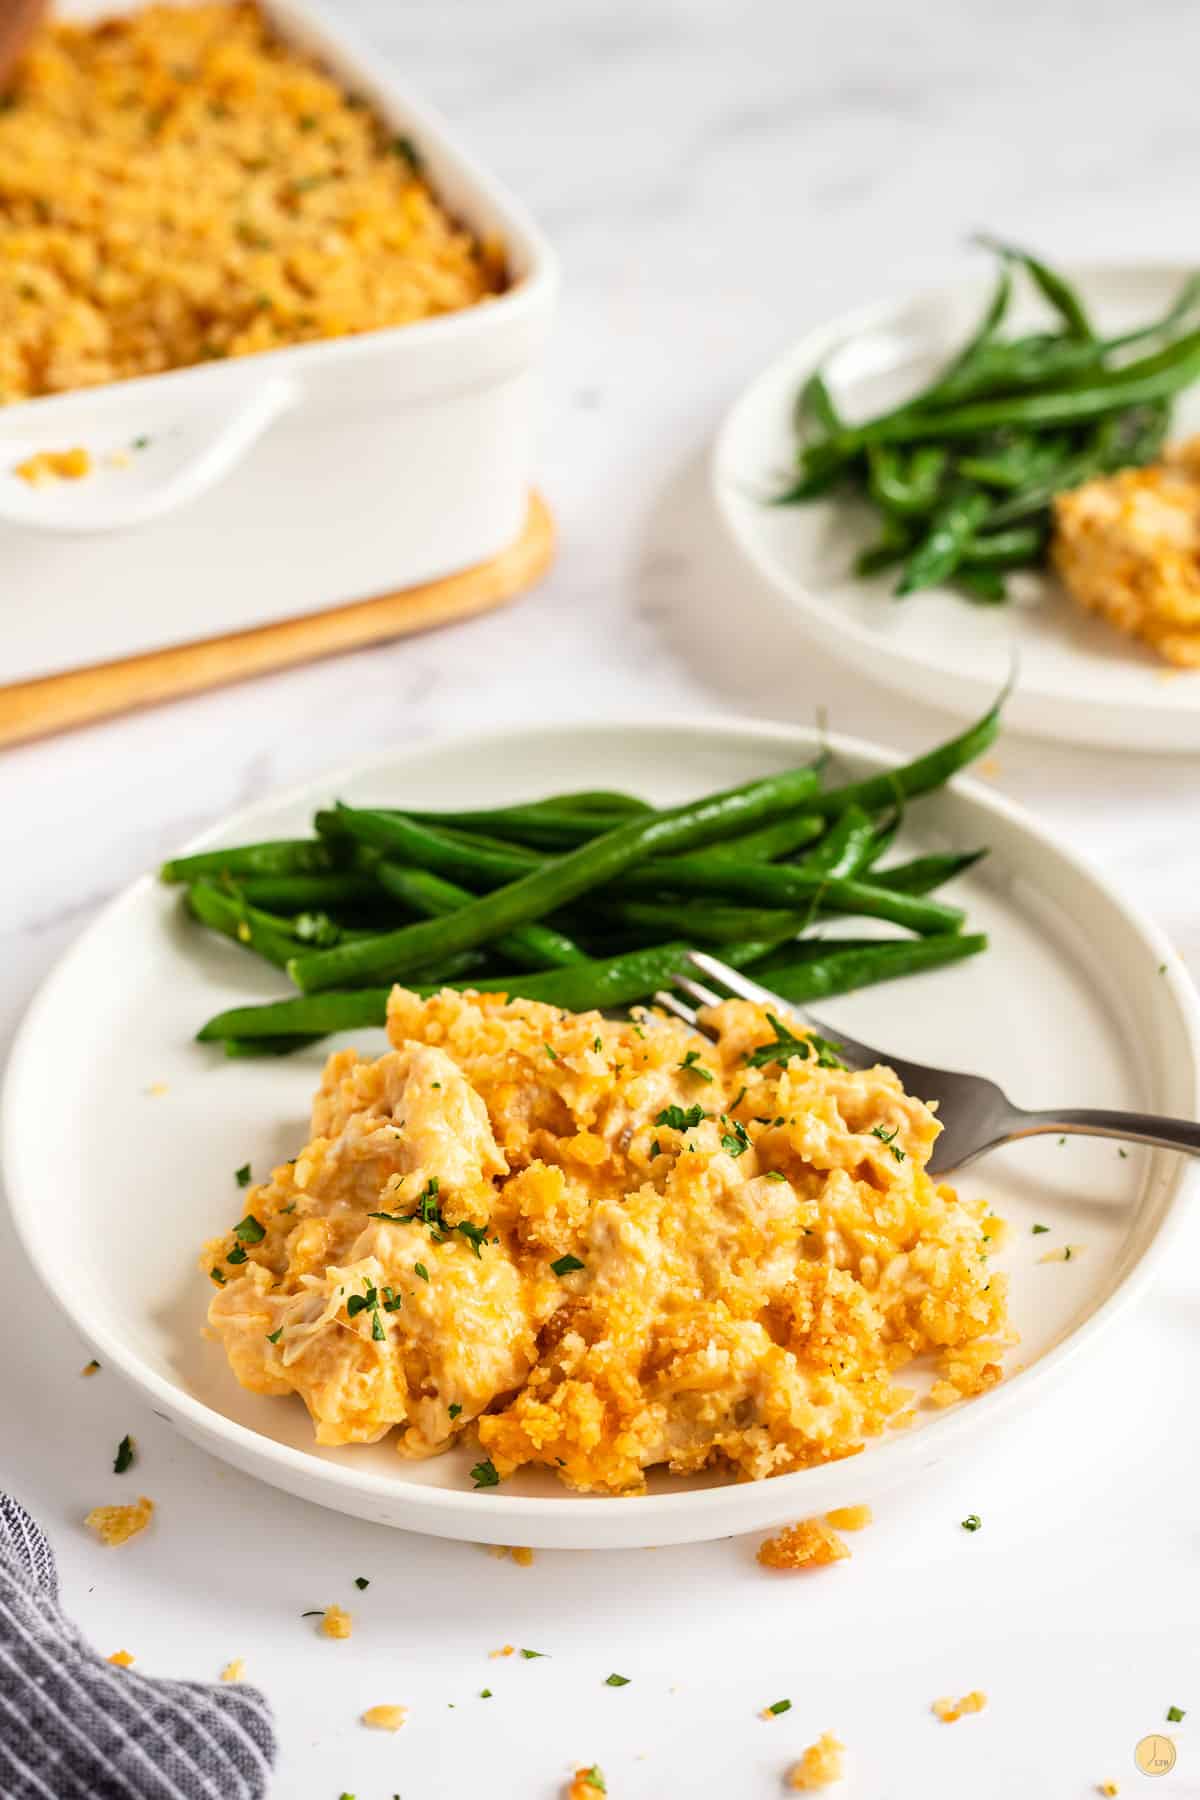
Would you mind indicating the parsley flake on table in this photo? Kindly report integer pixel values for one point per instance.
(787, 1045)
(692, 1065)
(532, 1655)
(972, 1522)
(362, 1581)
(566, 1265)
(678, 1119)
(249, 1231)
(616, 1681)
(242, 1175)
(780, 1706)
(485, 1475)
(124, 1457)
(485, 1693)
(1174, 1714)
(1038, 1228)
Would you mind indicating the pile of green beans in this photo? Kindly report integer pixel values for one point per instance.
(582, 900)
(963, 475)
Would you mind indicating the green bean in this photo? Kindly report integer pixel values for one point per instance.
(705, 921)
(815, 405)
(822, 466)
(1024, 459)
(314, 1015)
(270, 1046)
(982, 583)
(1184, 302)
(892, 546)
(1005, 549)
(993, 317)
(771, 841)
(781, 886)
(924, 873)
(558, 882)
(297, 893)
(543, 827)
(906, 485)
(942, 548)
(813, 978)
(919, 776)
(283, 856)
(1060, 294)
(846, 847)
(254, 930)
(529, 946)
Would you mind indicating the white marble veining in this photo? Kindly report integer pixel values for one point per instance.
(716, 175)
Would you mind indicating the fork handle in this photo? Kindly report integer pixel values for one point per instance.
(1134, 1128)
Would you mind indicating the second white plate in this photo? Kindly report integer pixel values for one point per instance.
(121, 1134)
(1079, 679)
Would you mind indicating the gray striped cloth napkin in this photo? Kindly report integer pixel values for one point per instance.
(73, 1727)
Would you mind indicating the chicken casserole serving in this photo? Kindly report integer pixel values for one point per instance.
(607, 1246)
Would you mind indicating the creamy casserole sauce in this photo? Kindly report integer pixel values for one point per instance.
(607, 1246)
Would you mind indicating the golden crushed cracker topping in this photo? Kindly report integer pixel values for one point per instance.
(949, 1710)
(179, 185)
(808, 1545)
(385, 1718)
(115, 1525)
(336, 1622)
(820, 1766)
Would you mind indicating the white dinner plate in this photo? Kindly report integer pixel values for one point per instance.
(121, 1134)
(1079, 678)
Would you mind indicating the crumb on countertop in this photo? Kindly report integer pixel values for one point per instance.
(587, 1783)
(949, 1710)
(850, 1518)
(157, 1089)
(820, 1766)
(336, 1622)
(519, 1553)
(385, 1718)
(1067, 1253)
(1108, 1788)
(90, 1368)
(504, 1650)
(47, 466)
(122, 1659)
(806, 1545)
(234, 1671)
(116, 1524)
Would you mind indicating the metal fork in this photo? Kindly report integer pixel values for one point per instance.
(975, 1114)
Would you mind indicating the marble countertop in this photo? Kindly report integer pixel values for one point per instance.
(716, 176)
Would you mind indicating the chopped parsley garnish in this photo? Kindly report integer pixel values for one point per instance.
(1038, 1228)
(217, 1276)
(242, 1175)
(972, 1522)
(655, 1149)
(734, 1104)
(360, 1302)
(404, 146)
(787, 1045)
(1174, 1714)
(476, 1235)
(237, 1255)
(678, 1119)
(1066, 1252)
(780, 1706)
(736, 1140)
(597, 1044)
(889, 1138)
(421, 1270)
(592, 1778)
(774, 1175)
(616, 1681)
(391, 1300)
(551, 1052)
(377, 1331)
(124, 1457)
(454, 1409)
(273, 1337)
(531, 1655)
(249, 1231)
(361, 1581)
(314, 1612)
(566, 1265)
(484, 1474)
(692, 1065)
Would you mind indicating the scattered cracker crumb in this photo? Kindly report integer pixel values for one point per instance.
(505, 1650)
(385, 1718)
(587, 1784)
(115, 1524)
(122, 1659)
(850, 1518)
(47, 466)
(157, 1089)
(234, 1671)
(804, 1546)
(949, 1710)
(990, 766)
(821, 1765)
(118, 459)
(519, 1552)
(91, 1368)
(1067, 1253)
(1110, 1787)
(336, 1622)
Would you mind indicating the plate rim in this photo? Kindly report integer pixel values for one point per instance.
(854, 644)
(495, 1516)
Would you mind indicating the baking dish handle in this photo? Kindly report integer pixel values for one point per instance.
(180, 452)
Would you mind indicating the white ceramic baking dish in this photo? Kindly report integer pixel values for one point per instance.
(365, 463)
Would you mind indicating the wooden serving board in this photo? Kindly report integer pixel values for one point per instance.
(30, 709)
